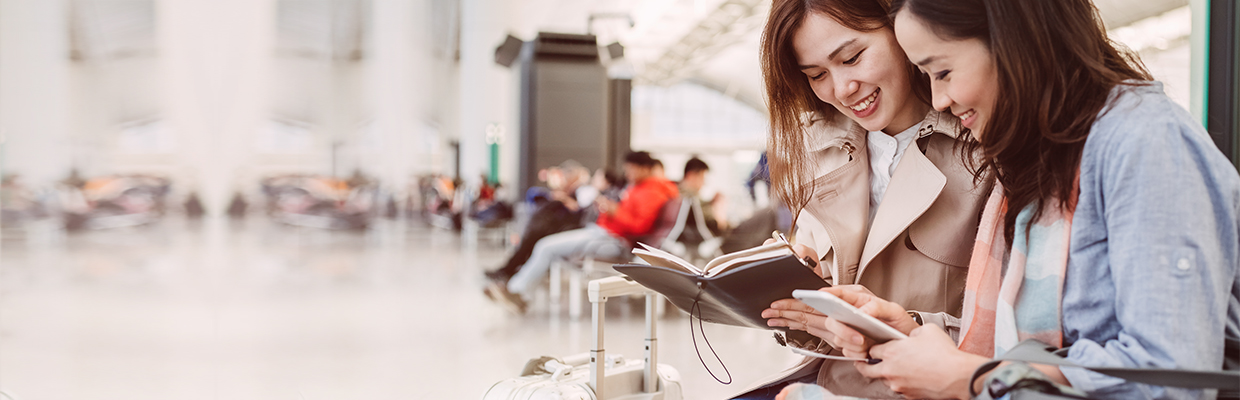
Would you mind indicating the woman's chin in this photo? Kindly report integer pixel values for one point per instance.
(872, 124)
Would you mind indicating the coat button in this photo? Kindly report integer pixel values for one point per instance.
(1183, 265)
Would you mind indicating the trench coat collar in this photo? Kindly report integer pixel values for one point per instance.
(914, 186)
(829, 131)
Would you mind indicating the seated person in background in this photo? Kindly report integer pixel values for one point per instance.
(487, 209)
(575, 191)
(691, 187)
(760, 173)
(618, 224)
(755, 230)
(604, 184)
(566, 209)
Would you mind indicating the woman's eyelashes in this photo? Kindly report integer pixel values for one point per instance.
(853, 60)
(942, 74)
(850, 61)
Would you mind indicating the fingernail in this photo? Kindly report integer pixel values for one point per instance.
(858, 339)
(873, 361)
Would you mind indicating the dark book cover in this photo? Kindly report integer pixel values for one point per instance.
(734, 297)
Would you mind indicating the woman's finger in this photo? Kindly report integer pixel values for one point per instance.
(856, 295)
(816, 328)
(872, 371)
(847, 337)
(855, 354)
(825, 335)
(803, 251)
(786, 318)
(794, 305)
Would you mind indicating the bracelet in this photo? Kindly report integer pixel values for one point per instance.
(916, 317)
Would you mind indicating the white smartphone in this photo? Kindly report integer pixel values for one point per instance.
(839, 309)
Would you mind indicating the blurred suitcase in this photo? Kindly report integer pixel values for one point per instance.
(585, 376)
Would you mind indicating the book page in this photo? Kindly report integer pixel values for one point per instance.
(746, 260)
(765, 251)
(664, 259)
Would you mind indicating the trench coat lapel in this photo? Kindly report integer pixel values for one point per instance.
(842, 204)
(914, 186)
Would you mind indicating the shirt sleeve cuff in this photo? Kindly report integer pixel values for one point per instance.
(1087, 352)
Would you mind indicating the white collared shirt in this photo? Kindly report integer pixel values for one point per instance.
(885, 154)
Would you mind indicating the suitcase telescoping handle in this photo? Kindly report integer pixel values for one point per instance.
(600, 290)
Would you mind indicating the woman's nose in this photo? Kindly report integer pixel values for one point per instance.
(939, 98)
(845, 87)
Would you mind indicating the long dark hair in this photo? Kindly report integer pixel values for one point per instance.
(789, 96)
(1056, 68)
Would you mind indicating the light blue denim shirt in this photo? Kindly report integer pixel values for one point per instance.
(1152, 275)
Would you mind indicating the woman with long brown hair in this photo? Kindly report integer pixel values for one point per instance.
(876, 177)
(1115, 229)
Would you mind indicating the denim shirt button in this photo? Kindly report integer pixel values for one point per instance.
(1183, 265)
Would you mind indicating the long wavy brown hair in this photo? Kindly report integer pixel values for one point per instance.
(789, 97)
(1056, 68)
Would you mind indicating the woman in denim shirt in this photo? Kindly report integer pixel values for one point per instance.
(1071, 123)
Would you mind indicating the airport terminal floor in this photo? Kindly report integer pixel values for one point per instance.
(250, 309)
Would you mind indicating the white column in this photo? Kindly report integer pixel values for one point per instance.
(484, 85)
(215, 57)
(34, 89)
(397, 76)
(1197, 58)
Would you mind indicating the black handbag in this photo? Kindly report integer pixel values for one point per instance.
(1021, 381)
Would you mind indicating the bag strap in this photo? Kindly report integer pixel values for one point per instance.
(1036, 352)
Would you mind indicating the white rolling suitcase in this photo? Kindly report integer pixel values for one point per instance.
(595, 375)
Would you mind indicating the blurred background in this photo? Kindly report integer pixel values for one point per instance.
(277, 199)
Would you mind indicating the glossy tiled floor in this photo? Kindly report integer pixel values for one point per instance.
(253, 310)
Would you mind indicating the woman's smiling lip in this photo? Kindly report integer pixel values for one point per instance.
(967, 118)
(877, 95)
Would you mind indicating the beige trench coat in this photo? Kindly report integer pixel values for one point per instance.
(917, 251)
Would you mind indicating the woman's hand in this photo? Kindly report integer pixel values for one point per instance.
(794, 314)
(803, 391)
(926, 365)
(888, 312)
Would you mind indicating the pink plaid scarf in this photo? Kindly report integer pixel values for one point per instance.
(998, 313)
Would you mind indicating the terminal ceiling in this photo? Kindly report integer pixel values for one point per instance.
(713, 43)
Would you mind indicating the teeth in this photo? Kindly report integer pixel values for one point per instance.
(966, 115)
(864, 104)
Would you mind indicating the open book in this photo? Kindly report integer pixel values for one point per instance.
(732, 289)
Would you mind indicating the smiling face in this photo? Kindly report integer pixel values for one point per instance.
(963, 78)
(861, 74)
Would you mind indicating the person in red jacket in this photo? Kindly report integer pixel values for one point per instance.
(612, 237)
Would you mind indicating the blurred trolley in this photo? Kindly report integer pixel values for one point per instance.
(596, 375)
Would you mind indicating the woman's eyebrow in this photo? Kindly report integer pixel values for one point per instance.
(926, 61)
(834, 53)
(841, 48)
